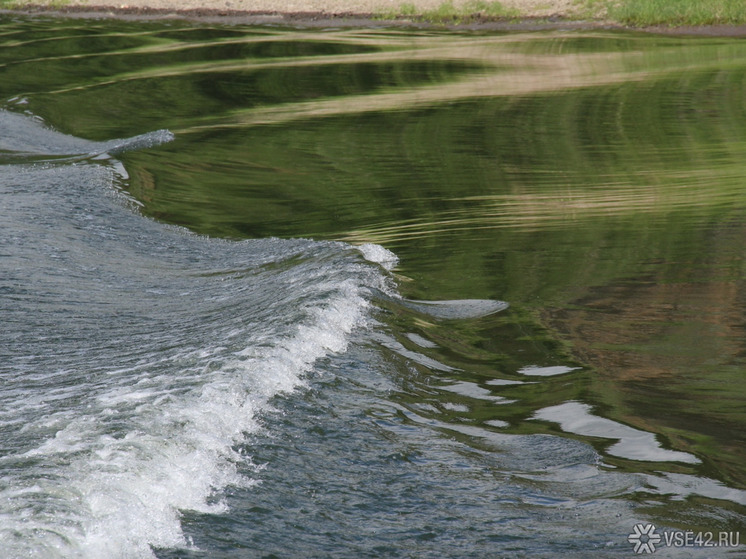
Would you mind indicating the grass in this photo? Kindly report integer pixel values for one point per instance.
(447, 12)
(678, 12)
(637, 13)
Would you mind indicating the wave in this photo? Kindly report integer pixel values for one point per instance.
(137, 356)
(27, 137)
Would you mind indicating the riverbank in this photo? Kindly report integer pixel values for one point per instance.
(693, 17)
(718, 17)
(394, 9)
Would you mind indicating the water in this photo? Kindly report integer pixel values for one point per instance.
(275, 292)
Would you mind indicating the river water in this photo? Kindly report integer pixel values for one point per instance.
(276, 292)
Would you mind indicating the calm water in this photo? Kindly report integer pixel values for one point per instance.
(276, 292)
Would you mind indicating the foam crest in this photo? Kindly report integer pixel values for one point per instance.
(157, 361)
(133, 488)
(379, 255)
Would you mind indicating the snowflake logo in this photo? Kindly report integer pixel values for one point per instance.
(644, 537)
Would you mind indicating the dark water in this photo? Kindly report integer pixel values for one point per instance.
(281, 332)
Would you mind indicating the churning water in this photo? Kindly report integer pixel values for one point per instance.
(136, 355)
(196, 362)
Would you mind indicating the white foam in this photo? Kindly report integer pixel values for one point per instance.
(128, 490)
(379, 255)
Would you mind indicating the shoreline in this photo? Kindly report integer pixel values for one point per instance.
(300, 19)
(207, 13)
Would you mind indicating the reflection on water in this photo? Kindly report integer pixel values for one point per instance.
(574, 417)
(593, 181)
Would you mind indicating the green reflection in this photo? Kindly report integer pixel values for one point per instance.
(549, 199)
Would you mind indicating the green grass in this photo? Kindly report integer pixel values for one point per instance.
(678, 12)
(638, 13)
(490, 9)
(447, 12)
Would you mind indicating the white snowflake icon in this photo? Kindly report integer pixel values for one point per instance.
(644, 537)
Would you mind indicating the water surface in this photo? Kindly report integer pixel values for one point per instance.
(386, 293)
